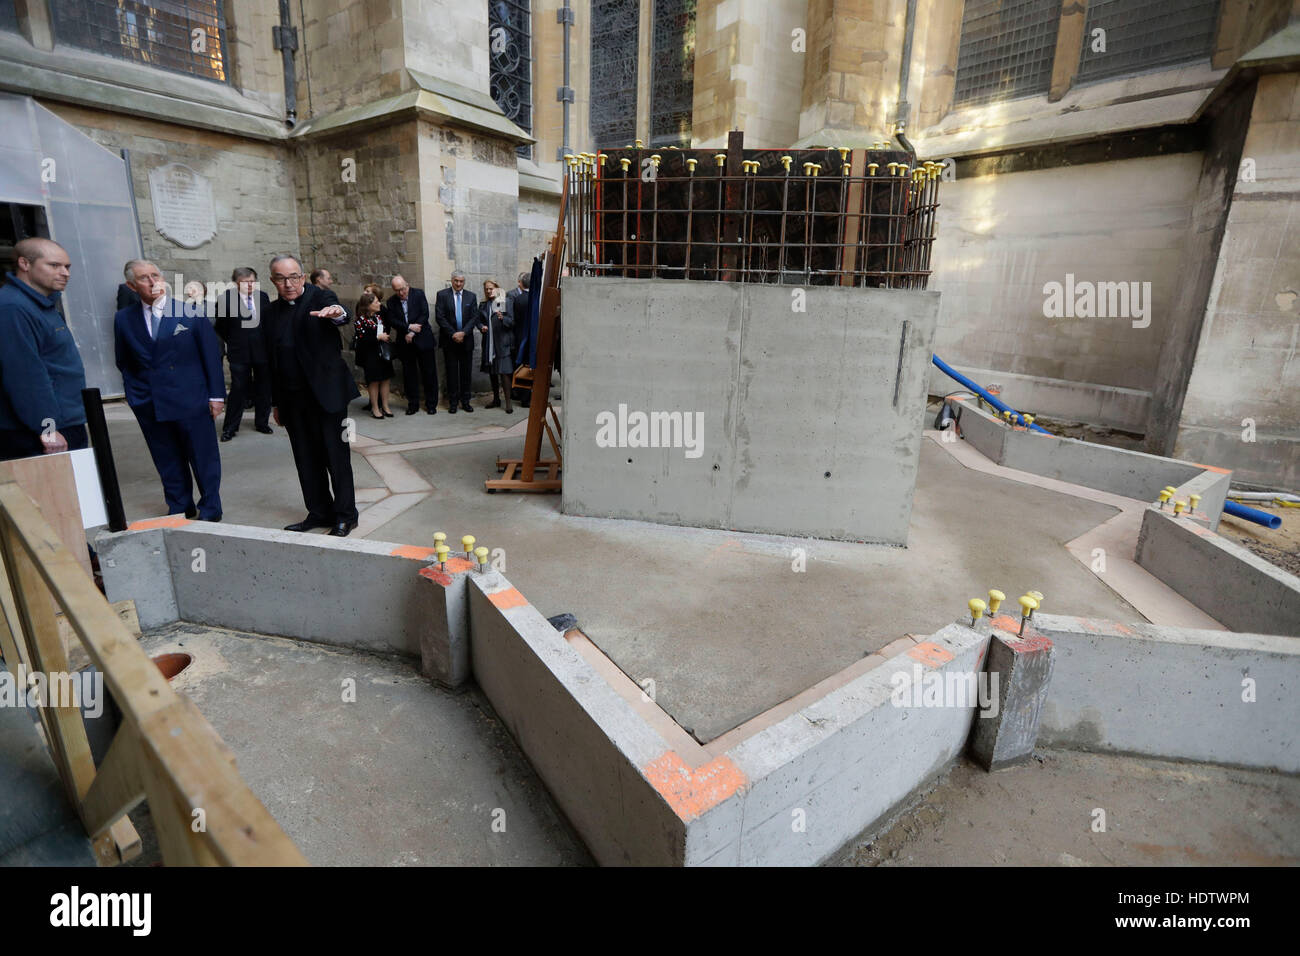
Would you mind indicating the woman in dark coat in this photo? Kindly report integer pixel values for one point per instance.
(374, 353)
(496, 323)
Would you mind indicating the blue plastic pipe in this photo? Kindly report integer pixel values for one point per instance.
(1272, 522)
(959, 377)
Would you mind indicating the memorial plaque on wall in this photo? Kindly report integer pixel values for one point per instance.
(182, 205)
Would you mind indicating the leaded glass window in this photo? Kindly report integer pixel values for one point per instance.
(1007, 49)
(672, 73)
(510, 46)
(615, 33)
(1141, 35)
(185, 36)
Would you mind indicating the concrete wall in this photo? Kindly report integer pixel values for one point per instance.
(801, 430)
(1172, 692)
(1243, 397)
(1132, 474)
(1225, 580)
(586, 742)
(1001, 238)
(355, 593)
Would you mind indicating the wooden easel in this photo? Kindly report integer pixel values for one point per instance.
(521, 474)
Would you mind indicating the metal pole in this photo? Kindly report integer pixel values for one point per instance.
(97, 428)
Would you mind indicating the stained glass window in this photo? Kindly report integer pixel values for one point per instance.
(672, 73)
(615, 33)
(185, 36)
(510, 51)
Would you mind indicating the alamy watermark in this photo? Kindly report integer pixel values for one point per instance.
(1098, 300)
(636, 429)
(945, 689)
(82, 689)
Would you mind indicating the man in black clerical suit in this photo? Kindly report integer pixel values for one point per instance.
(407, 314)
(456, 312)
(239, 323)
(310, 391)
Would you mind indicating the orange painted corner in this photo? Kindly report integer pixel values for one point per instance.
(171, 521)
(928, 652)
(412, 551)
(689, 792)
(508, 598)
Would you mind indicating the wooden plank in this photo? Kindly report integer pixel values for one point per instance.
(49, 481)
(78, 656)
(181, 755)
(66, 730)
(853, 221)
(1069, 44)
(118, 786)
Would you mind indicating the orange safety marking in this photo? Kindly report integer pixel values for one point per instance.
(508, 598)
(928, 652)
(1222, 471)
(450, 566)
(413, 551)
(171, 521)
(691, 792)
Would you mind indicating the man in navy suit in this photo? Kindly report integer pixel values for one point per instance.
(407, 314)
(170, 360)
(239, 323)
(456, 312)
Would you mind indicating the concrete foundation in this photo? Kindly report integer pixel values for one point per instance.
(772, 380)
(1132, 474)
(1023, 665)
(1171, 692)
(1225, 580)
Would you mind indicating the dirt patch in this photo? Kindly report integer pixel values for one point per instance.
(1281, 547)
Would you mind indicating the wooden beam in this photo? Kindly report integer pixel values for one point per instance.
(118, 787)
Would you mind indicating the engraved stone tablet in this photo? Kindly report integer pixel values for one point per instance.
(182, 205)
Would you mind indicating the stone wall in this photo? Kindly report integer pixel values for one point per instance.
(748, 75)
(350, 52)
(364, 230)
(252, 189)
(1247, 373)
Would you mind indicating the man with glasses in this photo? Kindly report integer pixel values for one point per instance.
(310, 391)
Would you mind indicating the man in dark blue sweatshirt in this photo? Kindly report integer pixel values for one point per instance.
(41, 375)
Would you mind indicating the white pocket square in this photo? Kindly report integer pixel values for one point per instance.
(179, 329)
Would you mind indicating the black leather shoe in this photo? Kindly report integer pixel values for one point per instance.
(191, 512)
(451, 409)
(266, 429)
(466, 407)
(412, 411)
(341, 529)
(216, 519)
(307, 524)
(388, 414)
(495, 403)
(431, 411)
(226, 436)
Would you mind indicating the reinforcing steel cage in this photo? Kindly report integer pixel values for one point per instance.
(836, 216)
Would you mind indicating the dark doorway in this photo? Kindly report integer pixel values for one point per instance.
(19, 221)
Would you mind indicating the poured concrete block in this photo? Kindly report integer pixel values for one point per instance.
(444, 641)
(136, 568)
(1004, 735)
(747, 407)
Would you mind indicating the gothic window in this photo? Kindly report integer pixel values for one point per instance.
(1007, 48)
(615, 30)
(185, 36)
(510, 48)
(672, 73)
(1140, 35)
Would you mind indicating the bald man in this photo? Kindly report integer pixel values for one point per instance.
(41, 375)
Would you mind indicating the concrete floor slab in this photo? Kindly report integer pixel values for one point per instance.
(407, 775)
(1157, 813)
(722, 622)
